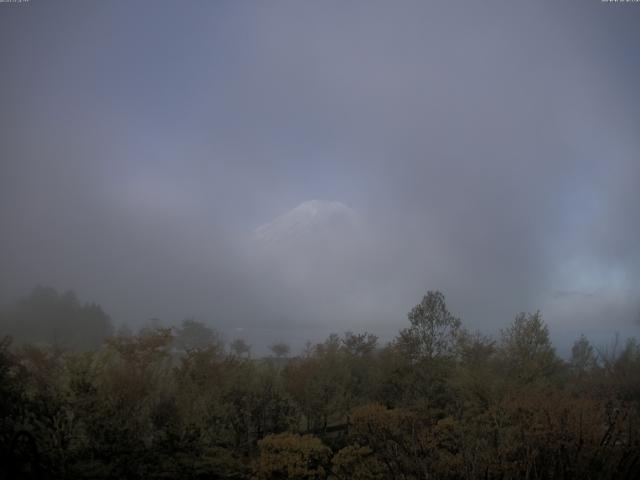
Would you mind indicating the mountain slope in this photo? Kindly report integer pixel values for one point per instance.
(310, 219)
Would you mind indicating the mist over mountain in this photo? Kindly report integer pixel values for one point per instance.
(319, 240)
(311, 220)
(162, 161)
(313, 264)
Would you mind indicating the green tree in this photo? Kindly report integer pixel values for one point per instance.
(433, 331)
(527, 350)
(360, 344)
(293, 457)
(240, 347)
(195, 335)
(280, 349)
(11, 396)
(583, 357)
(354, 462)
(48, 317)
(319, 383)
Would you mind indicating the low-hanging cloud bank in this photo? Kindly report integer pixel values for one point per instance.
(489, 151)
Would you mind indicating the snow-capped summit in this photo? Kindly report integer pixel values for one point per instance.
(310, 218)
(316, 247)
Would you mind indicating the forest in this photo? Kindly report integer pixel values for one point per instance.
(79, 399)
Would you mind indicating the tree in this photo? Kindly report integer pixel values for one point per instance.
(583, 357)
(394, 437)
(433, 331)
(292, 456)
(48, 317)
(354, 462)
(359, 344)
(240, 347)
(280, 349)
(623, 369)
(11, 394)
(526, 348)
(195, 335)
(476, 377)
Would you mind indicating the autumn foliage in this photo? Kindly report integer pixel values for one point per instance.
(437, 402)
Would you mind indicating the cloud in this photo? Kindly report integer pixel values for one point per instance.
(489, 151)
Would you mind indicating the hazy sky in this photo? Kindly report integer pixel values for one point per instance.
(489, 149)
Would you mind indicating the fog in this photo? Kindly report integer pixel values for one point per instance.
(489, 150)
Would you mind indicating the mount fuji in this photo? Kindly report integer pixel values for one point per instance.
(313, 219)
